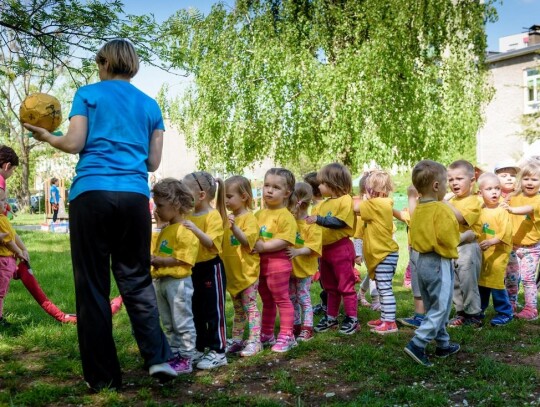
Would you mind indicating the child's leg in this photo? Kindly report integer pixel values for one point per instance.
(293, 294)
(527, 268)
(304, 300)
(269, 311)
(511, 279)
(343, 265)
(278, 285)
(468, 270)
(197, 302)
(485, 293)
(384, 273)
(240, 318)
(364, 287)
(249, 302)
(501, 302)
(329, 282)
(5, 278)
(179, 292)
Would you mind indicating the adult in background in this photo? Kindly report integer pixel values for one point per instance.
(54, 198)
(117, 131)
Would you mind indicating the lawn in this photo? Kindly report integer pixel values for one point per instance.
(39, 363)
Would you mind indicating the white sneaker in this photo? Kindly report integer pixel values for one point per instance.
(163, 372)
(212, 360)
(197, 357)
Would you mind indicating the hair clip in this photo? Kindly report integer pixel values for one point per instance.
(198, 183)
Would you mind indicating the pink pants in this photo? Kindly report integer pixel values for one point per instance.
(337, 276)
(276, 271)
(8, 267)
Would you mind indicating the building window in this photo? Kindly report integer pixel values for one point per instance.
(532, 90)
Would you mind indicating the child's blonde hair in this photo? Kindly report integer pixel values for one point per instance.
(487, 176)
(337, 177)
(120, 57)
(379, 183)
(202, 181)
(175, 193)
(530, 168)
(287, 176)
(241, 185)
(301, 197)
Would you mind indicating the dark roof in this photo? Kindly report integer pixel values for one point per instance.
(501, 56)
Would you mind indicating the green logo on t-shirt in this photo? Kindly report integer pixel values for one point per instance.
(487, 230)
(234, 241)
(299, 239)
(164, 249)
(264, 233)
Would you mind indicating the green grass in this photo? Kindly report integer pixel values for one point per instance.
(39, 362)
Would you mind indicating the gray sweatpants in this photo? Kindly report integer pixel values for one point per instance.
(466, 295)
(435, 280)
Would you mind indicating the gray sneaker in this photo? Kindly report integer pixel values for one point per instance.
(251, 348)
(212, 360)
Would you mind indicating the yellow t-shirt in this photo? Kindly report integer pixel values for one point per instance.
(434, 228)
(341, 208)
(276, 224)
(495, 223)
(211, 224)
(526, 228)
(180, 243)
(470, 208)
(5, 227)
(359, 229)
(307, 236)
(242, 267)
(153, 241)
(378, 218)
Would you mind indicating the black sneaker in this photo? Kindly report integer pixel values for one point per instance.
(349, 326)
(417, 354)
(445, 352)
(475, 322)
(319, 309)
(325, 324)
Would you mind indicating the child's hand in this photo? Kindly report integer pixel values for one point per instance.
(358, 260)
(22, 255)
(412, 192)
(259, 247)
(155, 261)
(189, 225)
(356, 207)
(231, 220)
(484, 245)
(310, 220)
(505, 206)
(291, 252)
(448, 196)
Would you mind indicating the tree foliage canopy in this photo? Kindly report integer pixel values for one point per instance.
(354, 81)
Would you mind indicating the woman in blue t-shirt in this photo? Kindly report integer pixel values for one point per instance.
(117, 130)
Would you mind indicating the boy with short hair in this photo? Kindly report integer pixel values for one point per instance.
(496, 244)
(467, 209)
(434, 240)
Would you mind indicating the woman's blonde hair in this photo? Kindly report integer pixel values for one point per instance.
(175, 193)
(241, 185)
(301, 197)
(379, 183)
(121, 57)
(337, 177)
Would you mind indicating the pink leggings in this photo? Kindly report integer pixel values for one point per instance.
(522, 268)
(8, 266)
(274, 290)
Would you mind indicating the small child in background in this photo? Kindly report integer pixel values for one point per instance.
(304, 255)
(311, 179)
(9, 161)
(496, 244)
(467, 208)
(507, 173)
(380, 249)
(174, 254)
(525, 215)
(367, 283)
(337, 219)
(434, 240)
(11, 245)
(277, 231)
(242, 266)
(209, 279)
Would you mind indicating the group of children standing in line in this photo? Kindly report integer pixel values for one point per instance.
(463, 249)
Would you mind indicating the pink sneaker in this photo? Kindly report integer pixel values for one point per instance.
(374, 323)
(268, 340)
(528, 314)
(181, 365)
(385, 327)
(284, 343)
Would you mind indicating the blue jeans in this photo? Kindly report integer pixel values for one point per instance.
(501, 301)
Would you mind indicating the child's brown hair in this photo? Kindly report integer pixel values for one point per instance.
(287, 176)
(176, 193)
(301, 197)
(242, 186)
(467, 166)
(204, 182)
(337, 177)
(311, 179)
(425, 173)
(379, 183)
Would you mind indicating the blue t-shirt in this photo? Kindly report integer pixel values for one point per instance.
(121, 120)
(55, 194)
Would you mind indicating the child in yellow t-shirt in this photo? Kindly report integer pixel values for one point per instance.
(209, 279)
(525, 214)
(337, 219)
(380, 249)
(434, 240)
(304, 255)
(507, 172)
(242, 266)
(277, 231)
(496, 244)
(174, 254)
(467, 207)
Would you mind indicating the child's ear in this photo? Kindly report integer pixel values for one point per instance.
(244, 197)
(436, 186)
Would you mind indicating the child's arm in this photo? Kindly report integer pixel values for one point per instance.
(204, 239)
(270, 246)
(302, 251)
(517, 210)
(330, 222)
(467, 237)
(158, 262)
(485, 244)
(12, 246)
(20, 244)
(237, 232)
(461, 220)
